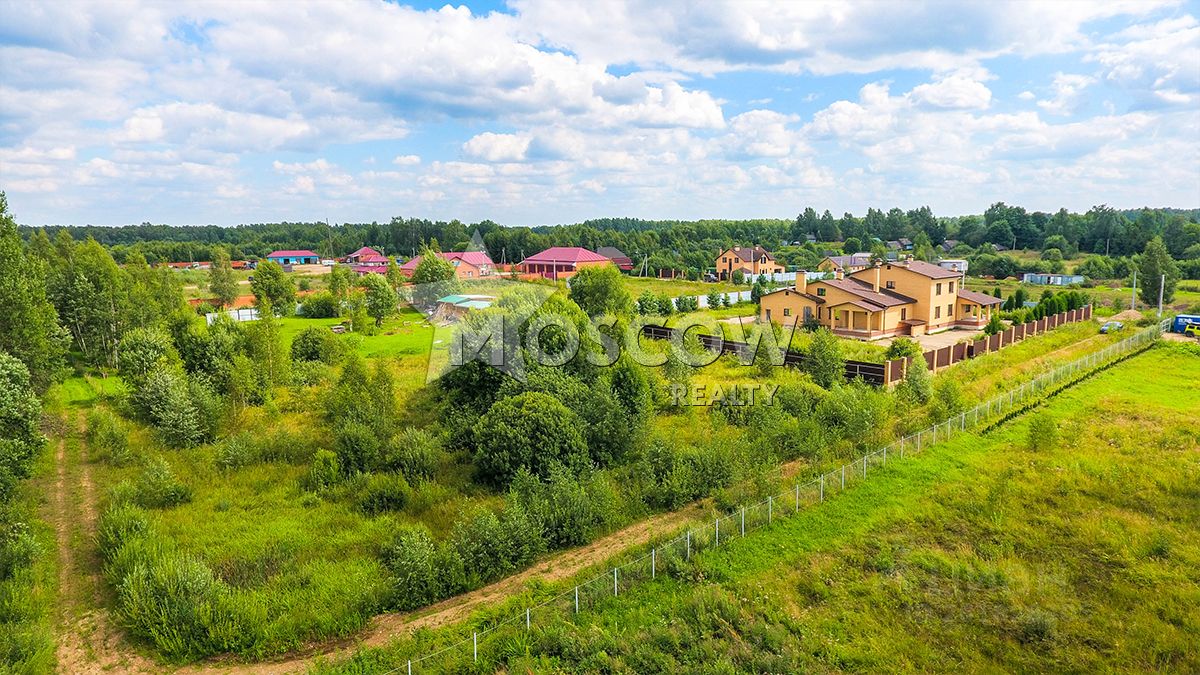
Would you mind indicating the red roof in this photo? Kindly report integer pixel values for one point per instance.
(566, 254)
(364, 251)
(291, 254)
(476, 258)
(373, 258)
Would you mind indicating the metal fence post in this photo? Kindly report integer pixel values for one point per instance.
(798, 494)
(526, 618)
(614, 581)
(718, 540)
(410, 667)
(770, 508)
(864, 466)
(918, 441)
(475, 645)
(843, 476)
(743, 521)
(689, 544)
(653, 562)
(576, 599)
(822, 487)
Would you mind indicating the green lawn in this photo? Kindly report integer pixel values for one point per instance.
(406, 334)
(677, 287)
(980, 554)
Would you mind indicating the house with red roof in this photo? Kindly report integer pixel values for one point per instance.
(294, 257)
(618, 257)
(562, 262)
(467, 264)
(364, 252)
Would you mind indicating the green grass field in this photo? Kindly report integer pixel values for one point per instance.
(677, 287)
(984, 553)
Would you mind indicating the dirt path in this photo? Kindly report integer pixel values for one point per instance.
(387, 627)
(88, 640)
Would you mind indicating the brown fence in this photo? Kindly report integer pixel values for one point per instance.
(872, 373)
(937, 359)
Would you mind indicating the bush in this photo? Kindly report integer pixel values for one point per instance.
(384, 492)
(235, 452)
(1043, 432)
(533, 431)
(903, 347)
(316, 343)
(310, 373)
(824, 362)
(357, 447)
(164, 400)
(157, 486)
(108, 434)
(18, 548)
(411, 559)
(324, 473)
(413, 452)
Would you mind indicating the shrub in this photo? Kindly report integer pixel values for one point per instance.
(164, 400)
(384, 492)
(324, 473)
(118, 524)
(1043, 432)
(411, 559)
(948, 400)
(413, 452)
(108, 434)
(18, 548)
(316, 343)
(824, 362)
(235, 452)
(532, 430)
(157, 486)
(902, 347)
(310, 373)
(357, 447)
(917, 386)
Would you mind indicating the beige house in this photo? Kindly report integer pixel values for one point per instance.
(897, 298)
(751, 261)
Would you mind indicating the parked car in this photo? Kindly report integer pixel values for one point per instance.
(1111, 327)
(1192, 329)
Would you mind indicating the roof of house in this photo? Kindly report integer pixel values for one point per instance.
(476, 258)
(949, 244)
(852, 260)
(865, 291)
(612, 253)
(979, 298)
(928, 269)
(810, 296)
(366, 250)
(750, 254)
(292, 254)
(566, 254)
(372, 258)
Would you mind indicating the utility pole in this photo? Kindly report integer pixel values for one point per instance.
(1161, 284)
(1133, 295)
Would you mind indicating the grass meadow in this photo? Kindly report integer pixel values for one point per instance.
(1019, 549)
(310, 563)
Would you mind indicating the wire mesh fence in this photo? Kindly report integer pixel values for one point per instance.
(670, 556)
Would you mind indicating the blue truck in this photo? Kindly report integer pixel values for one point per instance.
(1181, 322)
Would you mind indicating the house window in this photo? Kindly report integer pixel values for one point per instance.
(787, 311)
(950, 310)
(939, 289)
(937, 312)
(821, 292)
(890, 284)
(951, 286)
(768, 315)
(903, 313)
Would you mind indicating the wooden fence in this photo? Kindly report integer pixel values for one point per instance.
(947, 356)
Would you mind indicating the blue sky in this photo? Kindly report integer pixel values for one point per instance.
(549, 111)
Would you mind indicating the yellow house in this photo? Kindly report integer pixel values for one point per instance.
(752, 261)
(897, 298)
(846, 264)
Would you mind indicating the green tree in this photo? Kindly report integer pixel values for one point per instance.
(221, 281)
(600, 289)
(144, 350)
(918, 382)
(316, 343)
(993, 325)
(29, 329)
(20, 416)
(163, 399)
(714, 299)
(738, 278)
(341, 279)
(273, 288)
(381, 298)
(433, 277)
(531, 430)
(1156, 270)
(824, 362)
(902, 347)
(647, 303)
(90, 293)
(264, 346)
(395, 277)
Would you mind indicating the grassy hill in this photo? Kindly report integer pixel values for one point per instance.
(1067, 539)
